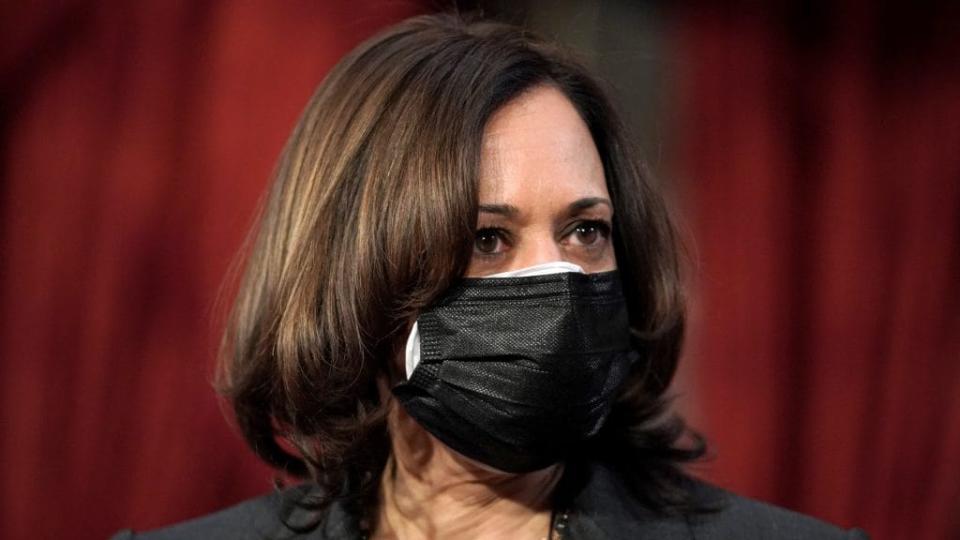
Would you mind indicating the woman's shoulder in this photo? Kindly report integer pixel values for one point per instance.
(607, 509)
(742, 517)
(603, 508)
(275, 516)
(249, 519)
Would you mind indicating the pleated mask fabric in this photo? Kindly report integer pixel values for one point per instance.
(412, 348)
(515, 372)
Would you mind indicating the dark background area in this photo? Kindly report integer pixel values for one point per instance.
(811, 151)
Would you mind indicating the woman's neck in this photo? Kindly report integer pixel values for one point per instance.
(430, 491)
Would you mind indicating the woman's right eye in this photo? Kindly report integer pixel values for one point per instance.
(489, 241)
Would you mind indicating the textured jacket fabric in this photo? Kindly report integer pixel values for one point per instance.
(602, 508)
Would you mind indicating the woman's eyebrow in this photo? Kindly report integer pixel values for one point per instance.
(588, 202)
(505, 210)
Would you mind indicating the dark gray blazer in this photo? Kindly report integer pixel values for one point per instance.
(602, 508)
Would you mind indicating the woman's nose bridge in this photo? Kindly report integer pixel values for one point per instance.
(538, 248)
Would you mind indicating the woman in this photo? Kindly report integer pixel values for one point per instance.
(371, 352)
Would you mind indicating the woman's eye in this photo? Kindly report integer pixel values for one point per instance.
(589, 233)
(488, 241)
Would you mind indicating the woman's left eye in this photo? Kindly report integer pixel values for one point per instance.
(589, 233)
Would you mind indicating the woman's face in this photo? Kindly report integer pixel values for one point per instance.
(542, 193)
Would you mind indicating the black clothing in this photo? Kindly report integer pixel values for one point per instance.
(601, 508)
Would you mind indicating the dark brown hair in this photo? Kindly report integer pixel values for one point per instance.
(371, 216)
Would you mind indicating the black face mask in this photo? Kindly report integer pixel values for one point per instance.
(516, 372)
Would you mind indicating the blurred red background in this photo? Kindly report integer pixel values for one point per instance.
(815, 153)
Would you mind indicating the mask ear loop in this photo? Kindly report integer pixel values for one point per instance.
(411, 351)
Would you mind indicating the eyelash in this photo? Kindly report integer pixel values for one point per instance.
(602, 226)
(504, 235)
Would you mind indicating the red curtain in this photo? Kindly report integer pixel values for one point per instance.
(137, 138)
(821, 154)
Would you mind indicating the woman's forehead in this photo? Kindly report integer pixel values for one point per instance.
(538, 150)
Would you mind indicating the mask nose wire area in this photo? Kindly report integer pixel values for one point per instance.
(412, 347)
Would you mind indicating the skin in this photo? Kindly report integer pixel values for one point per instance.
(543, 198)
